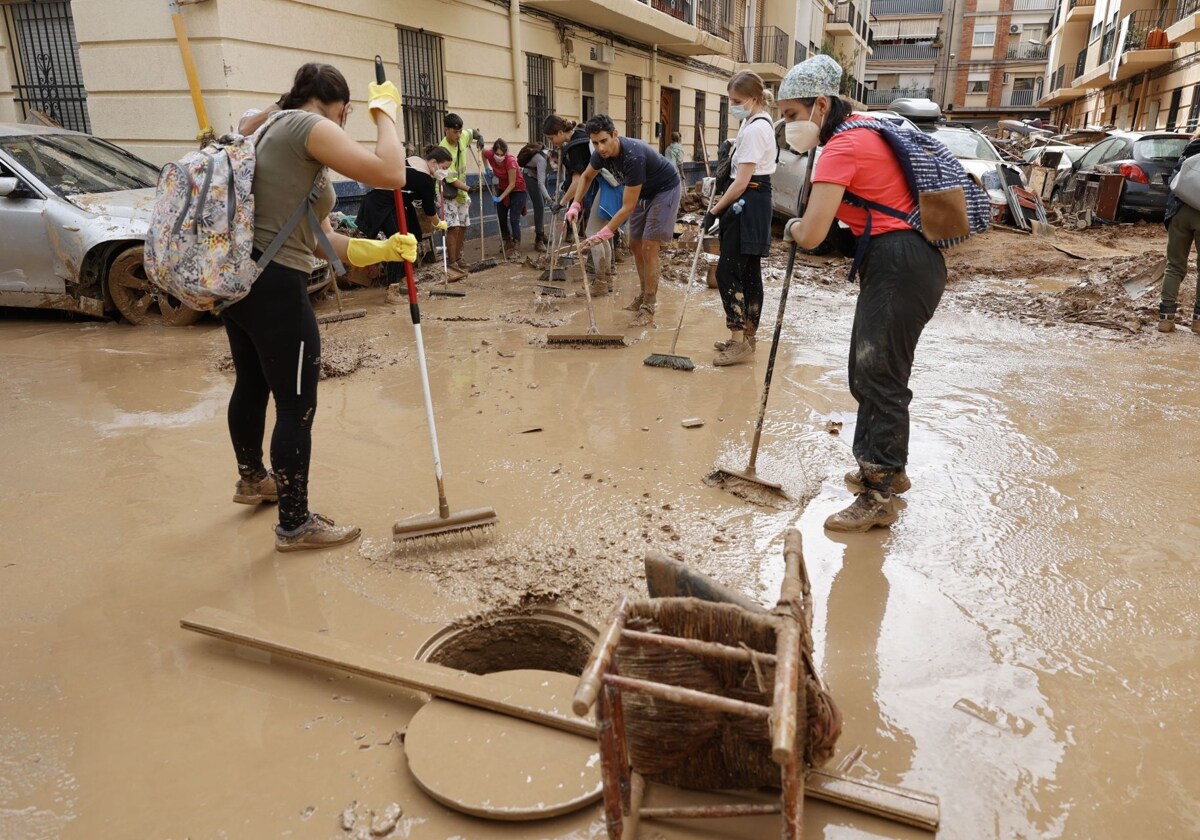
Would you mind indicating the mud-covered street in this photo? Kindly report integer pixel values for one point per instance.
(1020, 644)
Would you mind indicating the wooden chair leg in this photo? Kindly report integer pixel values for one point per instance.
(613, 762)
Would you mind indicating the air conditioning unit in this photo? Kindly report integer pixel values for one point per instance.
(1005, 79)
(1015, 29)
(604, 53)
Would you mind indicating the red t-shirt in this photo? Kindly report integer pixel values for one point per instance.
(863, 163)
(504, 167)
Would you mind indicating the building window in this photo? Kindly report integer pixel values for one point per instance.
(698, 146)
(1194, 109)
(633, 106)
(540, 72)
(723, 122)
(978, 86)
(985, 36)
(46, 61)
(588, 95)
(423, 84)
(1173, 109)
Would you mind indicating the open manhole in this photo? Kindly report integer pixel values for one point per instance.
(543, 639)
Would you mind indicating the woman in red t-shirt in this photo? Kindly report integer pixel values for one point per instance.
(510, 200)
(901, 279)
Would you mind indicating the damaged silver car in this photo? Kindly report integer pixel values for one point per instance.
(73, 216)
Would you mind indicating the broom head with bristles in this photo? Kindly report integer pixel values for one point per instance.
(666, 360)
(431, 525)
(585, 340)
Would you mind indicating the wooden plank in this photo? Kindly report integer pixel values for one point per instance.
(437, 680)
(894, 803)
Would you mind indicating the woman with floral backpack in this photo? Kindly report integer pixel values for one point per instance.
(272, 331)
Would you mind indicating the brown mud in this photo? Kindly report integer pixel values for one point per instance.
(1018, 643)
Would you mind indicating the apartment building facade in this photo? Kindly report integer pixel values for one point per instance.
(909, 57)
(1127, 64)
(113, 67)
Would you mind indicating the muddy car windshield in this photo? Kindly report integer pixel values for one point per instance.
(965, 144)
(77, 165)
(1160, 149)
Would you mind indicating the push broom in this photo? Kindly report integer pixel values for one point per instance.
(721, 475)
(443, 522)
(593, 335)
(445, 290)
(670, 360)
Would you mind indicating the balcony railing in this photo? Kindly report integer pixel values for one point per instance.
(765, 45)
(1085, 3)
(800, 54)
(1140, 26)
(1080, 64)
(905, 52)
(1018, 98)
(884, 8)
(678, 9)
(1027, 52)
(886, 96)
(715, 17)
(1186, 8)
(1034, 5)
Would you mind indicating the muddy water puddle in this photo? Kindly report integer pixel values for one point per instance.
(1017, 644)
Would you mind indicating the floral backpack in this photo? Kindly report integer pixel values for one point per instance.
(201, 235)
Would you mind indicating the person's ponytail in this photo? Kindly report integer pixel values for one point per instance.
(322, 82)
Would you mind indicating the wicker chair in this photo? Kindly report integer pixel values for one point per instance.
(709, 696)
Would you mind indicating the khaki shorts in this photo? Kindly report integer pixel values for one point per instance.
(458, 215)
(654, 220)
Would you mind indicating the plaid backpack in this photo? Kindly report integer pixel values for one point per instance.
(201, 235)
(949, 206)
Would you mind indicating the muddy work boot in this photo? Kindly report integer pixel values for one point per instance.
(318, 532)
(1166, 318)
(600, 287)
(539, 244)
(868, 510)
(900, 482)
(735, 354)
(255, 491)
(645, 313)
(635, 304)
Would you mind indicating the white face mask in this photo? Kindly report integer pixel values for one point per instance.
(802, 136)
(738, 112)
(439, 174)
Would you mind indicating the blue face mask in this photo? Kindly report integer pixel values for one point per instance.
(738, 112)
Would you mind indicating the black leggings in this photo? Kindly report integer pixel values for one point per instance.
(901, 284)
(276, 350)
(739, 275)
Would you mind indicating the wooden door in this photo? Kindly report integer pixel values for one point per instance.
(668, 116)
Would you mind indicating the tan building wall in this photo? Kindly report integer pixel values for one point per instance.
(8, 111)
(246, 52)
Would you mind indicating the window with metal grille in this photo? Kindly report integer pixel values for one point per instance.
(46, 61)
(633, 106)
(423, 86)
(1173, 110)
(1194, 109)
(723, 122)
(540, 72)
(698, 146)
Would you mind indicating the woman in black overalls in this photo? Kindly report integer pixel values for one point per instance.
(742, 219)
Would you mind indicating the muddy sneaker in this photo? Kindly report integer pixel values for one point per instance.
(635, 304)
(599, 288)
(735, 354)
(539, 245)
(867, 511)
(256, 491)
(645, 316)
(461, 265)
(1166, 323)
(318, 532)
(900, 482)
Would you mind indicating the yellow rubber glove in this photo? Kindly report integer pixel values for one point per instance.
(363, 252)
(384, 98)
(441, 225)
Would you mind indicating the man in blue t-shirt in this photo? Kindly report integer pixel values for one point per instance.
(652, 193)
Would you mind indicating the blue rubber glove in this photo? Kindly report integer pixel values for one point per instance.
(496, 200)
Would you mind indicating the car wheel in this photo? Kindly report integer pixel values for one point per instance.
(138, 300)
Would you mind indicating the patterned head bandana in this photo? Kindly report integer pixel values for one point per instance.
(816, 76)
